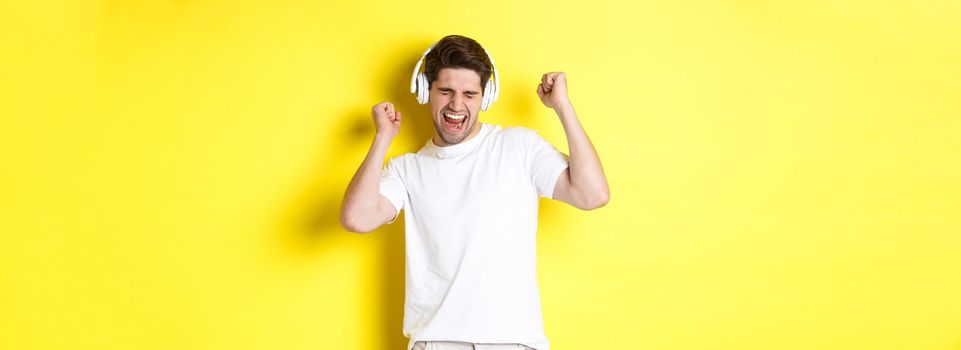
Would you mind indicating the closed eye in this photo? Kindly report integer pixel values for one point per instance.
(448, 91)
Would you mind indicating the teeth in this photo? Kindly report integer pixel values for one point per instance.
(455, 116)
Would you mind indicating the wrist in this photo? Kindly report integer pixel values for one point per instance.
(564, 108)
(381, 137)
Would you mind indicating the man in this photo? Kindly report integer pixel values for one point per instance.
(470, 196)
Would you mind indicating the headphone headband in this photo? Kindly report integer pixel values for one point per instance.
(413, 77)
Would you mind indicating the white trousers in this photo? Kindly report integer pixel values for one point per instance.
(457, 345)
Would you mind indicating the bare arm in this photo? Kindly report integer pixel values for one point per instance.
(364, 208)
(583, 183)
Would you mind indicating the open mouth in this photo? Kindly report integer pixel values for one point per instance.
(454, 122)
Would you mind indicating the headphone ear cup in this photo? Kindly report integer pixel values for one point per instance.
(423, 91)
(417, 93)
(420, 87)
(488, 95)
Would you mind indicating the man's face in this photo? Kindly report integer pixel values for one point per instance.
(455, 100)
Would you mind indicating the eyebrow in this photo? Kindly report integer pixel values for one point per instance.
(447, 89)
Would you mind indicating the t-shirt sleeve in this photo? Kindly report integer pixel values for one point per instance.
(392, 187)
(545, 164)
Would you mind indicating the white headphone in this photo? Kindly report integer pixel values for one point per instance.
(420, 87)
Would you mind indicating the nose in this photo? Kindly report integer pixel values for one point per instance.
(456, 102)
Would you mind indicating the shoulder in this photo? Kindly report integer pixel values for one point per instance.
(400, 161)
(515, 131)
(517, 134)
(401, 158)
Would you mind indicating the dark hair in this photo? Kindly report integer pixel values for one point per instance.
(455, 51)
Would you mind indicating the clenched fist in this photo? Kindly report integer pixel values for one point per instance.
(386, 119)
(553, 90)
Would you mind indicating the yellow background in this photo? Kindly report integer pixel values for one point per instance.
(784, 174)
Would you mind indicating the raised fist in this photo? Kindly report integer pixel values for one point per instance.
(553, 90)
(386, 119)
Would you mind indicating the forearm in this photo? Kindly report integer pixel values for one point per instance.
(586, 175)
(363, 192)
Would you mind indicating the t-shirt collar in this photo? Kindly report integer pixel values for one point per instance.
(430, 149)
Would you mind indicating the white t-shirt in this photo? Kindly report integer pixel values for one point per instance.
(470, 226)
